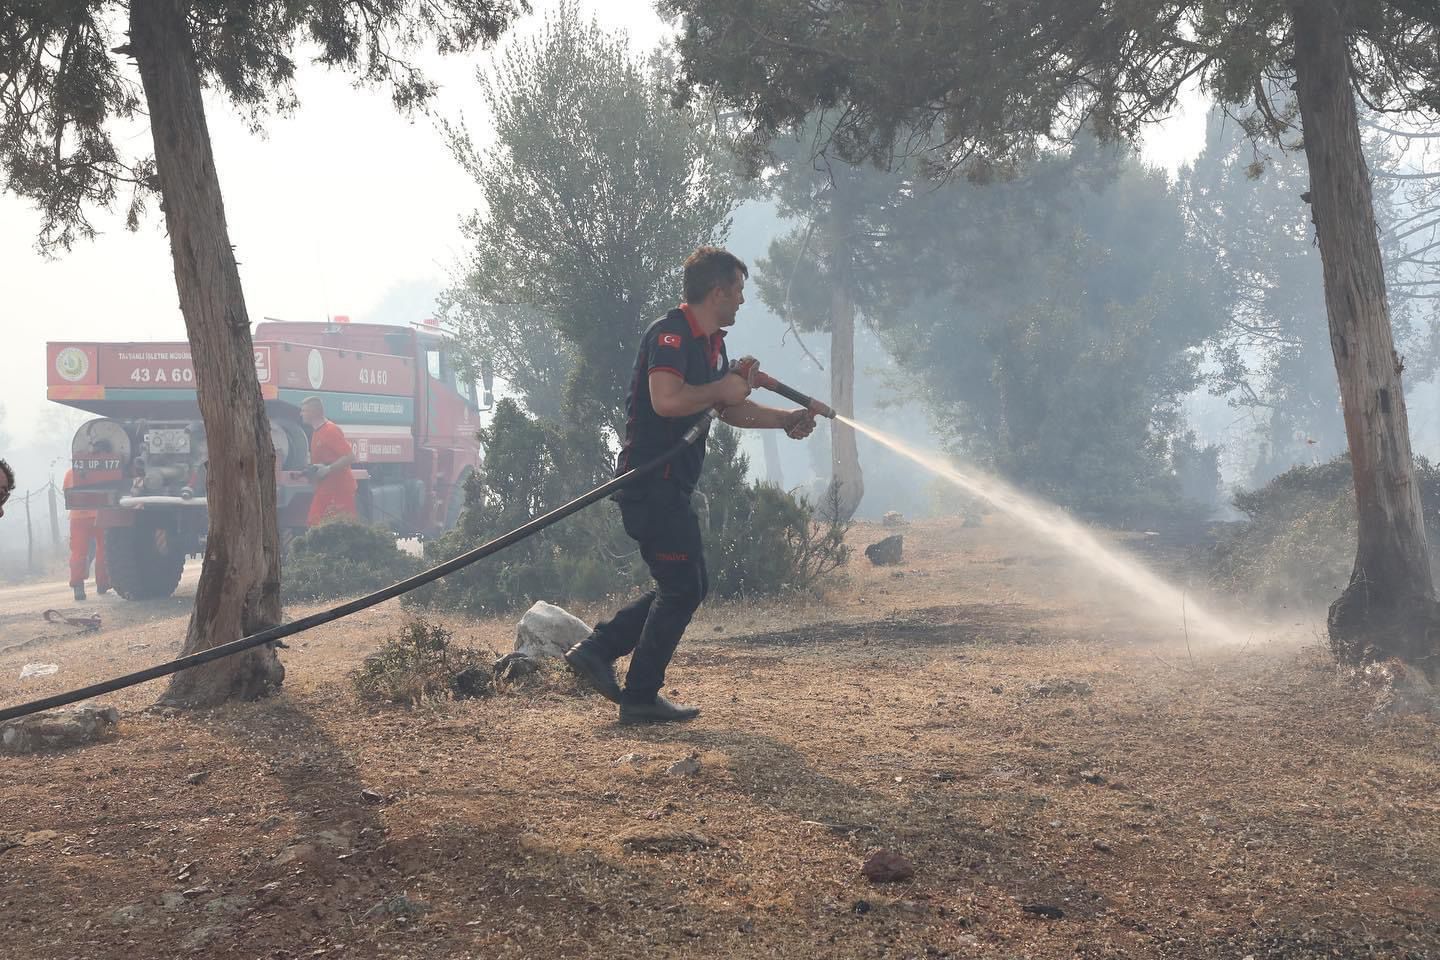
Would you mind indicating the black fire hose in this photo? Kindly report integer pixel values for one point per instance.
(369, 600)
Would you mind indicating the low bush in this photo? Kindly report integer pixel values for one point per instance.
(759, 539)
(422, 663)
(341, 558)
(1297, 544)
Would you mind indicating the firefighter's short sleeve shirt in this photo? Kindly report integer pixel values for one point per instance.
(327, 445)
(673, 344)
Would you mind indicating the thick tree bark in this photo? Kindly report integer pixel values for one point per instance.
(847, 484)
(1389, 607)
(239, 590)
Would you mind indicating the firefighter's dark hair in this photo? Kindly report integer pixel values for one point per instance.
(708, 268)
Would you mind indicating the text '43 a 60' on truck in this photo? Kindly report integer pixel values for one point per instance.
(408, 414)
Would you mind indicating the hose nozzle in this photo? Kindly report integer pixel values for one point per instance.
(749, 368)
(817, 407)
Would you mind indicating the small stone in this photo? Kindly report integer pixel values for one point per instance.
(1101, 845)
(128, 914)
(198, 777)
(372, 796)
(399, 907)
(893, 518)
(1046, 910)
(685, 768)
(514, 667)
(943, 776)
(235, 903)
(747, 926)
(631, 758)
(662, 840)
(195, 892)
(860, 907)
(886, 866)
(887, 552)
(1090, 776)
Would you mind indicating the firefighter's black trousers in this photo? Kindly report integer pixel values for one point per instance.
(665, 526)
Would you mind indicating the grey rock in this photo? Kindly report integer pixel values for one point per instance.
(548, 631)
(232, 904)
(200, 936)
(687, 767)
(129, 913)
(58, 729)
(887, 552)
(893, 518)
(514, 667)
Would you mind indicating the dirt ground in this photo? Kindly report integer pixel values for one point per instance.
(1069, 780)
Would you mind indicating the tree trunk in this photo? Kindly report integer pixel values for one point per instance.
(239, 590)
(773, 471)
(847, 485)
(1389, 607)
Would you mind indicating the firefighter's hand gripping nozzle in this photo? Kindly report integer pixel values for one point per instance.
(749, 368)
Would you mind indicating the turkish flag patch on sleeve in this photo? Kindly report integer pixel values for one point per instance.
(670, 340)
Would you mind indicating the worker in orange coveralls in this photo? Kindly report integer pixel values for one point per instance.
(330, 459)
(85, 530)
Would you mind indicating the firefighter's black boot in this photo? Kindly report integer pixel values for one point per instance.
(658, 711)
(595, 670)
(79, 593)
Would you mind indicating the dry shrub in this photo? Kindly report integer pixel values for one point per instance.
(421, 663)
(1297, 546)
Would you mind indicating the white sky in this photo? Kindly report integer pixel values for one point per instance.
(342, 208)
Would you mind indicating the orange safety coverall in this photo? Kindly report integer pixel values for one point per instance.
(335, 493)
(84, 530)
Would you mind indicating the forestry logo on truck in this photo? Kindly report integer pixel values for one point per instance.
(315, 369)
(72, 364)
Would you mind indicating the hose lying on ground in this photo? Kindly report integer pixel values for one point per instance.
(369, 600)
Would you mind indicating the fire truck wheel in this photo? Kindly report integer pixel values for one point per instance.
(145, 560)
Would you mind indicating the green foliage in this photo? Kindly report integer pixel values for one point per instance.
(1051, 324)
(978, 85)
(531, 466)
(595, 190)
(61, 89)
(342, 558)
(1273, 357)
(1297, 546)
(421, 663)
(760, 539)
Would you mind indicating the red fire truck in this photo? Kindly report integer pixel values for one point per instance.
(410, 417)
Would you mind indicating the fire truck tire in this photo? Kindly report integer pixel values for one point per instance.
(299, 445)
(145, 560)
